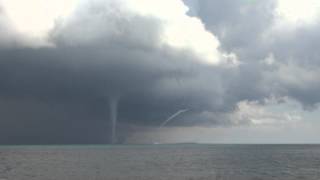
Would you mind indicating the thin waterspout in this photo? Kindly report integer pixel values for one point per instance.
(113, 105)
(173, 116)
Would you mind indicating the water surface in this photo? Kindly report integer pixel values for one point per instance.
(161, 162)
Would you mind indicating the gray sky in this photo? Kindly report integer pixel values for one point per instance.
(247, 70)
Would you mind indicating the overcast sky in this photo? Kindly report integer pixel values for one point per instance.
(211, 71)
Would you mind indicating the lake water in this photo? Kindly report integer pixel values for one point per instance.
(161, 162)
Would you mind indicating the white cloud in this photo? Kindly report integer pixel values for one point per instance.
(298, 11)
(34, 18)
(267, 114)
(179, 30)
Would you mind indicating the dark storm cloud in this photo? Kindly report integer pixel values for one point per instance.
(239, 25)
(60, 94)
